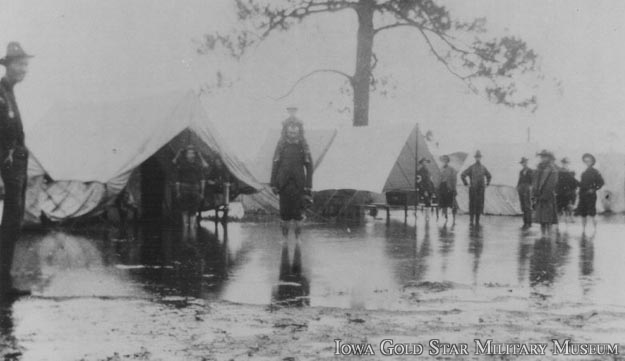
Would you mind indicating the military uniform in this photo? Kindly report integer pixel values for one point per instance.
(190, 176)
(291, 176)
(565, 193)
(425, 187)
(447, 187)
(591, 181)
(480, 177)
(13, 174)
(524, 189)
(544, 192)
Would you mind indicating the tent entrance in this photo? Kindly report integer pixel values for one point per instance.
(153, 186)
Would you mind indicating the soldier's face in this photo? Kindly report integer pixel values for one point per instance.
(292, 132)
(587, 161)
(544, 159)
(17, 70)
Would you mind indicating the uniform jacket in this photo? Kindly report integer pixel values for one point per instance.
(525, 177)
(449, 176)
(567, 184)
(11, 128)
(591, 179)
(477, 174)
(292, 162)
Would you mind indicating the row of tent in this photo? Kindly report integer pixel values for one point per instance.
(381, 159)
(86, 156)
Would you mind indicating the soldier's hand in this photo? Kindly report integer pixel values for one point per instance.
(9, 159)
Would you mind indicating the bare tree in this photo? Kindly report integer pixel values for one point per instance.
(489, 67)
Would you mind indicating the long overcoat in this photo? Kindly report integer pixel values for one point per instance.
(544, 194)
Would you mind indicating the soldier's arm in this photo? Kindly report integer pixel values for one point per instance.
(464, 175)
(308, 164)
(488, 176)
(599, 182)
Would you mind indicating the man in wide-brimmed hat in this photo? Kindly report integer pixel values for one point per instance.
(590, 182)
(565, 191)
(14, 161)
(544, 192)
(524, 189)
(480, 178)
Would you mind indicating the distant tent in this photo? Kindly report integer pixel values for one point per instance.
(502, 160)
(265, 201)
(376, 158)
(84, 155)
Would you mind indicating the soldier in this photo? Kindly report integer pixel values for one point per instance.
(524, 187)
(291, 173)
(565, 193)
(590, 182)
(544, 192)
(480, 178)
(447, 188)
(191, 172)
(424, 185)
(14, 162)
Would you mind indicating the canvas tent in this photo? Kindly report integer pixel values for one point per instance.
(84, 155)
(265, 201)
(376, 158)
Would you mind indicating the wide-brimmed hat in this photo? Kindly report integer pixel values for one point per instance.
(588, 155)
(424, 160)
(14, 52)
(565, 160)
(523, 160)
(444, 158)
(478, 154)
(545, 153)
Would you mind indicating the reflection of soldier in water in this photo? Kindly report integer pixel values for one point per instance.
(476, 246)
(293, 288)
(547, 259)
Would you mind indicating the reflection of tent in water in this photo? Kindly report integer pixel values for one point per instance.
(85, 155)
(319, 141)
(502, 160)
(375, 159)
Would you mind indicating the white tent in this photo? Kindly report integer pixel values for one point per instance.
(375, 158)
(89, 151)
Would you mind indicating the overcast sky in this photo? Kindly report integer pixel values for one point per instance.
(91, 50)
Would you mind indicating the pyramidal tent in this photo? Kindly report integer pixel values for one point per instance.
(265, 201)
(502, 161)
(377, 158)
(84, 155)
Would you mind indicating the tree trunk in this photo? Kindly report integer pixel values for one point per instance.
(364, 53)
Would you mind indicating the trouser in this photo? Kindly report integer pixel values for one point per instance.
(476, 202)
(14, 178)
(526, 203)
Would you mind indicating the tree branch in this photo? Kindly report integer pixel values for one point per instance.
(301, 79)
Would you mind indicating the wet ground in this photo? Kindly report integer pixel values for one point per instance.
(102, 293)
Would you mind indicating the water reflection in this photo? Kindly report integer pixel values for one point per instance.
(548, 258)
(446, 237)
(9, 348)
(293, 288)
(476, 247)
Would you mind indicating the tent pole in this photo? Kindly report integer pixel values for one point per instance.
(416, 188)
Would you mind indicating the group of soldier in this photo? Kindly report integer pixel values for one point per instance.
(544, 193)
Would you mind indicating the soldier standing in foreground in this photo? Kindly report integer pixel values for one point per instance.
(480, 178)
(14, 162)
(565, 193)
(291, 173)
(524, 188)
